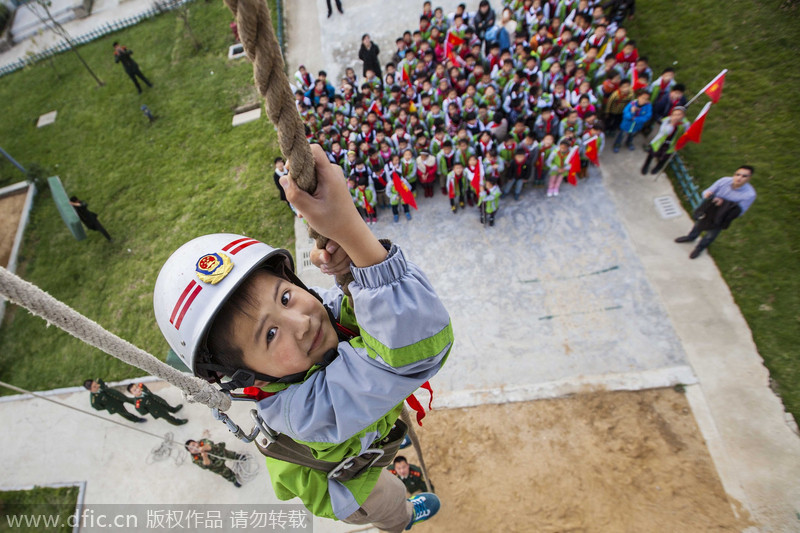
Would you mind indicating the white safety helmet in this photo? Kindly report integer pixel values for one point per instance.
(197, 280)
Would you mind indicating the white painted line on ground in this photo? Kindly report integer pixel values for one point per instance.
(648, 379)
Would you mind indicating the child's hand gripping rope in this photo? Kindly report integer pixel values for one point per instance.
(330, 210)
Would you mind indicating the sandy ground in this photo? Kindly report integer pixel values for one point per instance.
(596, 462)
(10, 212)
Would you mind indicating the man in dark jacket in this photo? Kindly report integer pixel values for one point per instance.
(88, 218)
(369, 55)
(338, 6)
(123, 55)
(726, 199)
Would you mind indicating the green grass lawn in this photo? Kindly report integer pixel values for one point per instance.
(36, 503)
(154, 186)
(754, 124)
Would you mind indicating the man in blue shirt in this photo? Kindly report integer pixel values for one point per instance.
(734, 189)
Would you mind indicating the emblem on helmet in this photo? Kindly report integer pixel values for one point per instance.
(212, 268)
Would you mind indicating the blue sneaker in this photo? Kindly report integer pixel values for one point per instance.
(408, 216)
(616, 148)
(406, 442)
(396, 218)
(426, 504)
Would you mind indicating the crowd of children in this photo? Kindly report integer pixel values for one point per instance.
(478, 106)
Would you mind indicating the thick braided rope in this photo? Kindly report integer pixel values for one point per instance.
(261, 45)
(41, 304)
(262, 48)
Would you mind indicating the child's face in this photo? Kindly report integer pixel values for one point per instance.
(287, 332)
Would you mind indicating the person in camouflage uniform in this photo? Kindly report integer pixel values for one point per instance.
(104, 398)
(148, 403)
(211, 456)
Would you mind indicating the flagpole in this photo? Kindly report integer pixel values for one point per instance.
(709, 84)
(695, 97)
(664, 168)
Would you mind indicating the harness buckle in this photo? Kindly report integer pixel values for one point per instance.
(348, 462)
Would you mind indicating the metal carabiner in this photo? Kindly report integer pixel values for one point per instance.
(270, 434)
(234, 428)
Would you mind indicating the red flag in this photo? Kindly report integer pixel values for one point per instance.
(453, 39)
(404, 192)
(404, 74)
(448, 52)
(476, 178)
(694, 131)
(362, 190)
(374, 106)
(574, 166)
(714, 89)
(591, 151)
(637, 83)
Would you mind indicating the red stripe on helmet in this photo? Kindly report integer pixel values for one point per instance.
(180, 300)
(186, 306)
(234, 243)
(243, 246)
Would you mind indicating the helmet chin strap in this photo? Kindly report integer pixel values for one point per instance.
(243, 377)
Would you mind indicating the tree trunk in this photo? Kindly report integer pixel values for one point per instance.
(59, 29)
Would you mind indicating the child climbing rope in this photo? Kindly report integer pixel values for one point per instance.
(334, 370)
